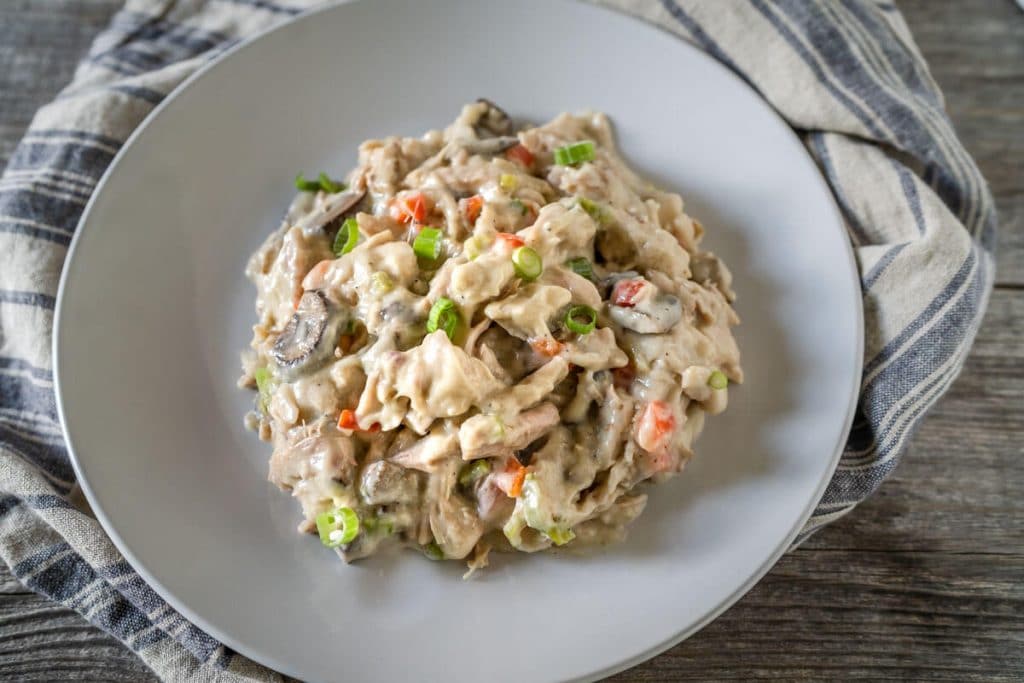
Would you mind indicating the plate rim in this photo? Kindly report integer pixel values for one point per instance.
(272, 662)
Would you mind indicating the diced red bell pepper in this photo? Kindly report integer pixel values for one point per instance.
(410, 208)
(510, 241)
(655, 427)
(547, 347)
(347, 420)
(627, 292)
(521, 154)
(471, 208)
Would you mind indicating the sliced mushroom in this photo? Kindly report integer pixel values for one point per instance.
(493, 120)
(651, 310)
(482, 146)
(334, 206)
(607, 284)
(488, 146)
(383, 483)
(310, 336)
(656, 315)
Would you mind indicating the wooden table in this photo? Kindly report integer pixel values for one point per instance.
(923, 581)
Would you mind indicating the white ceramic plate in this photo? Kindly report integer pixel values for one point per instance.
(153, 310)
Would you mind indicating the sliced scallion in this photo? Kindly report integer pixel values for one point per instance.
(265, 384)
(594, 210)
(427, 244)
(381, 283)
(527, 263)
(474, 246)
(337, 527)
(560, 536)
(575, 153)
(328, 185)
(718, 380)
(473, 472)
(508, 182)
(581, 267)
(381, 525)
(433, 551)
(581, 319)
(443, 316)
(518, 206)
(304, 185)
(347, 237)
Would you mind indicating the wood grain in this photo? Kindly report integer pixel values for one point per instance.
(924, 581)
(40, 641)
(41, 41)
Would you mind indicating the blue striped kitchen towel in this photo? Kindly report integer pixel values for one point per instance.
(844, 73)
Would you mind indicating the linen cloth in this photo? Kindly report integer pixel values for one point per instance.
(845, 74)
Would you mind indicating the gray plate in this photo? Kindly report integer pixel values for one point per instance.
(153, 309)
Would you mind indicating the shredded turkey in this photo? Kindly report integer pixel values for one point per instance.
(485, 339)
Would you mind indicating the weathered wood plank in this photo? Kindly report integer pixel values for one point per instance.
(862, 615)
(41, 41)
(925, 580)
(960, 489)
(40, 641)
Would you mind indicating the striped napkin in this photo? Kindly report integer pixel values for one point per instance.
(845, 74)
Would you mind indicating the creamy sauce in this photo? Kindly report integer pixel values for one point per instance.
(520, 427)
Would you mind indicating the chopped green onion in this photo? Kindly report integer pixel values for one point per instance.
(304, 185)
(337, 527)
(581, 267)
(347, 237)
(443, 316)
(474, 471)
(381, 283)
(527, 263)
(575, 153)
(474, 246)
(265, 384)
(383, 524)
(594, 210)
(513, 528)
(536, 513)
(328, 185)
(718, 380)
(499, 428)
(427, 244)
(433, 551)
(323, 182)
(508, 182)
(560, 536)
(518, 206)
(581, 319)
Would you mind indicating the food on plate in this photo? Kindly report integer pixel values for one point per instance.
(487, 338)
